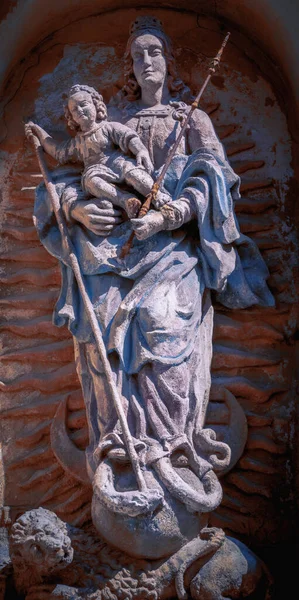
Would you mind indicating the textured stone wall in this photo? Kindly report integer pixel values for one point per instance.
(254, 351)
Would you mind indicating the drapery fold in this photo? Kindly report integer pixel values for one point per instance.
(149, 304)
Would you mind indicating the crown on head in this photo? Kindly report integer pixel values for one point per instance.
(146, 23)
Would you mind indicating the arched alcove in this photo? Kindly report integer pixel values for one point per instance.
(249, 102)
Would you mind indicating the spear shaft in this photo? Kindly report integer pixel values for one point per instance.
(66, 240)
(194, 106)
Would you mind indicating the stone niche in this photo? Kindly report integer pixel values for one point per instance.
(253, 352)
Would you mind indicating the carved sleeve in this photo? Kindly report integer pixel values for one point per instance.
(178, 212)
(127, 139)
(68, 152)
(201, 134)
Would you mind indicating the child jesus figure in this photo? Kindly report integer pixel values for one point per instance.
(112, 153)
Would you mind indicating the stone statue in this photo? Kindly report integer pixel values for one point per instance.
(39, 546)
(102, 147)
(54, 560)
(154, 309)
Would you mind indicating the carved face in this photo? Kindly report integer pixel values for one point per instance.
(39, 545)
(149, 63)
(46, 548)
(83, 110)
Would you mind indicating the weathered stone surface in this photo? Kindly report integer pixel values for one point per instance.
(252, 355)
(64, 562)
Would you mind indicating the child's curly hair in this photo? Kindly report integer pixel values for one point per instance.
(96, 98)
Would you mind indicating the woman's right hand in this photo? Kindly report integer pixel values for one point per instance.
(98, 216)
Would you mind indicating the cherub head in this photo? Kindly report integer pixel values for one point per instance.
(84, 107)
(39, 546)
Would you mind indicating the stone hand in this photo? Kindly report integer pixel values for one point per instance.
(98, 216)
(161, 199)
(31, 129)
(148, 225)
(143, 160)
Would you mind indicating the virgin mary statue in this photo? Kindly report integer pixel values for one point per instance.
(154, 305)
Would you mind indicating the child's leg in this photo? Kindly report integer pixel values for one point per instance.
(100, 188)
(141, 181)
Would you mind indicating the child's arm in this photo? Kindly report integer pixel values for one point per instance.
(47, 142)
(129, 141)
(142, 156)
(63, 152)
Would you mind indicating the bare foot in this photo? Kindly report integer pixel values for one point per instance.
(132, 207)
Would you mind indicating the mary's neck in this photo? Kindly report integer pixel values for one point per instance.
(154, 96)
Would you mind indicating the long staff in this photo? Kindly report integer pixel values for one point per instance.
(153, 193)
(90, 313)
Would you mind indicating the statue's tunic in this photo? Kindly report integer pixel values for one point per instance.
(102, 151)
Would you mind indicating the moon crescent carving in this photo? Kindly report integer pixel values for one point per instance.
(235, 433)
(68, 455)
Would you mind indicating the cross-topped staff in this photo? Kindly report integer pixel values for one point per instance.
(152, 196)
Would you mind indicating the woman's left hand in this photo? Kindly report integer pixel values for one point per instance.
(148, 225)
